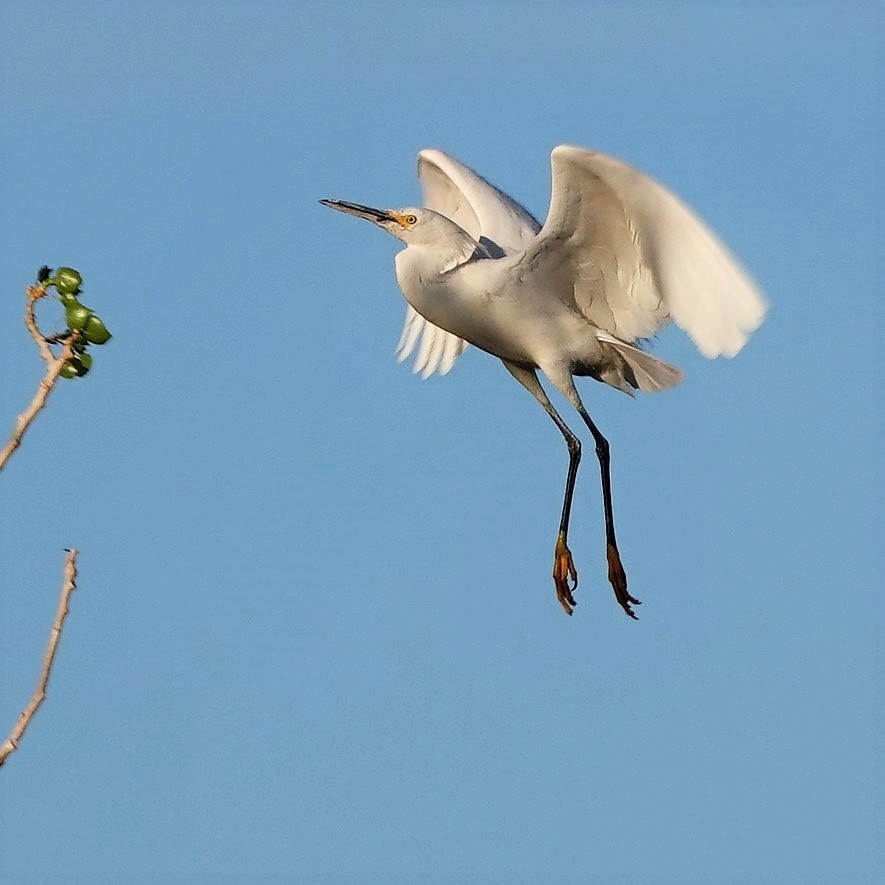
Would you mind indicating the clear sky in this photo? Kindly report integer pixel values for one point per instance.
(316, 638)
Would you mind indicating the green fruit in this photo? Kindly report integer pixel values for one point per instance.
(77, 366)
(95, 330)
(76, 315)
(67, 281)
(70, 369)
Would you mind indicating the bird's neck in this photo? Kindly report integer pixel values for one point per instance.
(426, 264)
(423, 272)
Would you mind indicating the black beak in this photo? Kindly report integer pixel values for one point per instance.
(367, 212)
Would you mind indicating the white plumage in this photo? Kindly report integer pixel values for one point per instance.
(617, 258)
(635, 255)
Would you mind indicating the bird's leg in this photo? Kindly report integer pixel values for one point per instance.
(563, 565)
(616, 575)
(565, 575)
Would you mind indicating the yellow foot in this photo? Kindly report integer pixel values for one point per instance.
(618, 579)
(563, 569)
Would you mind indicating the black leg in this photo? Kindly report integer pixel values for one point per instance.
(616, 574)
(564, 570)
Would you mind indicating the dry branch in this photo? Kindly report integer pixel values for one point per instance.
(69, 584)
(54, 366)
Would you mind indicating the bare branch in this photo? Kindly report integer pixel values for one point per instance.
(69, 584)
(54, 366)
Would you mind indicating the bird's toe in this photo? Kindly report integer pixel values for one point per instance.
(618, 579)
(564, 572)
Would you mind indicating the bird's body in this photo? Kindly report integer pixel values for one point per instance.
(616, 259)
(474, 301)
(482, 301)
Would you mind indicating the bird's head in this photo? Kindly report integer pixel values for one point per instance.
(411, 225)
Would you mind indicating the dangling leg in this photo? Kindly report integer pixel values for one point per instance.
(563, 566)
(616, 575)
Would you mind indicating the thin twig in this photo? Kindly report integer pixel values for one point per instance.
(54, 366)
(69, 584)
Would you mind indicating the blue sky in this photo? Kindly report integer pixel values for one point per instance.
(315, 638)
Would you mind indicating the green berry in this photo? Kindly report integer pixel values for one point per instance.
(71, 369)
(77, 366)
(67, 281)
(95, 330)
(76, 315)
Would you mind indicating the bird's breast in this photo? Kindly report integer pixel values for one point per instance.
(478, 303)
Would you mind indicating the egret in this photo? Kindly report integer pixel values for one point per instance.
(618, 257)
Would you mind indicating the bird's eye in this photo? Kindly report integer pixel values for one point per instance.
(411, 219)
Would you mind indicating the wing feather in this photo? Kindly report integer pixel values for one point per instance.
(487, 214)
(630, 255)
(438, 349)
(411, 330)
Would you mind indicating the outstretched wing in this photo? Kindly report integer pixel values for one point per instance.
(492, 218)
(488, 215)
(631, 255)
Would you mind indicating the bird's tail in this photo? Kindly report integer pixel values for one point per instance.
(637, 369)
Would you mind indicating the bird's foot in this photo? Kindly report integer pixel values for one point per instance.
(563, 569)
(618, 580)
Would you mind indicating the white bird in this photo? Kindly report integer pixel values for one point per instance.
(618, 257)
